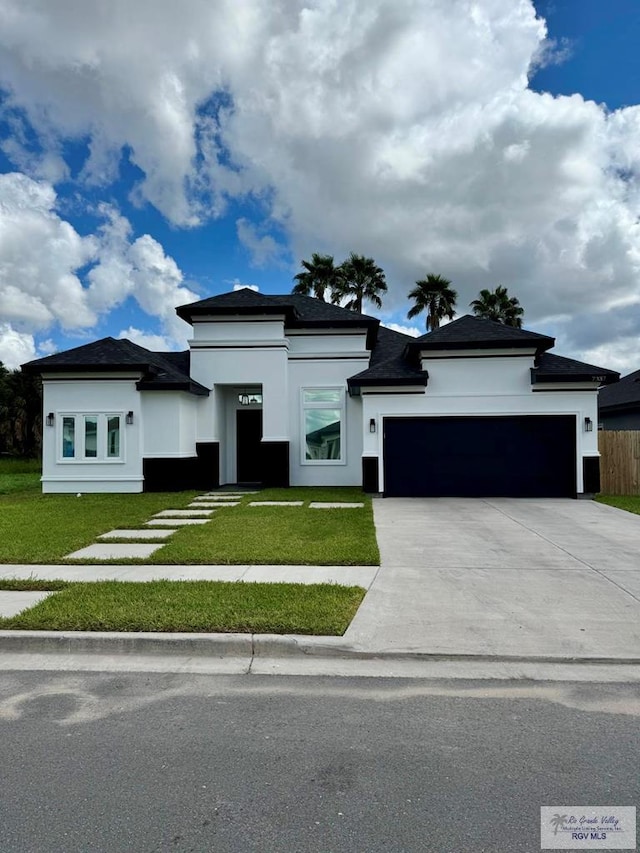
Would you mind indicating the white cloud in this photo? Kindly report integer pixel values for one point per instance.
(15, 347)
(157, 343)
(413, 331)
(398, 129)
(41, 256)
(237, 285)
(262, 247)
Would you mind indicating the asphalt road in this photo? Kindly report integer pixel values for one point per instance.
(154, 763)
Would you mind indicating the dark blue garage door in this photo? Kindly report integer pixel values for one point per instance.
(516, 456)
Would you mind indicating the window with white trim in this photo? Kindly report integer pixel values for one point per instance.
(323, 426)
(91, 437)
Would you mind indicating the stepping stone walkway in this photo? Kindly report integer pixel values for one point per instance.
(176, 522)
(214, 503)
(276, 503)
(13, 602)
(137, 534)
(113, 551)
(168, 520)
(337, 505)
(183, 513)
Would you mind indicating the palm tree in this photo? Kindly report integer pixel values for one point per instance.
(499, 306)
(360, 278)
(319, 276)
(434, 295)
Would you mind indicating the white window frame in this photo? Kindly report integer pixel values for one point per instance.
(80, 457)
(341, 405)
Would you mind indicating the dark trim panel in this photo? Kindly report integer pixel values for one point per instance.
(209, 464)
(370, 475)
(184, 473)
(591, 474)
(275, 464)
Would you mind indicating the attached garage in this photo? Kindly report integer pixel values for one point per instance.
(492, 456)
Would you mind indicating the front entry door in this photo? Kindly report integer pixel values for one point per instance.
(249, 448)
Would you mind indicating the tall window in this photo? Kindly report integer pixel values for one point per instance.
(323, 424)
(113, 436)
(68, 438)
(91, 437)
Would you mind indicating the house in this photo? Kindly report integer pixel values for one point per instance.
(619, 404)
(289, 390)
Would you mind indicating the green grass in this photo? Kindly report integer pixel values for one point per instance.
(282, 535)
(36, 528)
(19, 475)
(202, 606)
(31, 585)
(629, 502)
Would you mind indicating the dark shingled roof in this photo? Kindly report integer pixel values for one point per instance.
(623, 394)
(388, 364)
(556, 368)
(477, 333)
(161, 370)
(299, 311)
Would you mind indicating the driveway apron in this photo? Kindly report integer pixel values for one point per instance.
(514, 577)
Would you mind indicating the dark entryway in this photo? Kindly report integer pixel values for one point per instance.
(511, 456)
(248, 446)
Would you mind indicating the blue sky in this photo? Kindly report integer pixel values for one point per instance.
(149, 157)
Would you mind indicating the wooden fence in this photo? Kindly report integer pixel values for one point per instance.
(619, 462)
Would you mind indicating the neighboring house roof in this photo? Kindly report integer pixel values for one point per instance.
(477, 333)
(390, 363)
(162, 370)
(624, 394)
(556, 368)
(299, 311)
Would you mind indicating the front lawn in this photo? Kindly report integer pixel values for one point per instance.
(282, 535)
(631, 503)
(36, 528)
(200, 606)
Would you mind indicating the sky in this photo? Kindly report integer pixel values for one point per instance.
(153, 153)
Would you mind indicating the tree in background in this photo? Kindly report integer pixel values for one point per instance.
(20, 413)
(319, 277)
(360, 279)
(499, 306)
(435, 296)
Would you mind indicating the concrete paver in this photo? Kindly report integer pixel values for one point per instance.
(334, 505)
(183, 513)
(211, 504)
(12, 603)
(276, 503)
(148, 533)
(501, 577)
(114, 551)
(175, 522)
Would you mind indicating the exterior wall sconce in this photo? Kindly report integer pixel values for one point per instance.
(588, 425)
(129, 418)
(372, 425)
(244, 399)
(51, 419)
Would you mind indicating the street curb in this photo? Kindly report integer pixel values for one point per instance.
(251, 646)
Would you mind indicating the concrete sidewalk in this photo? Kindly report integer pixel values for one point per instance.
(504, 578)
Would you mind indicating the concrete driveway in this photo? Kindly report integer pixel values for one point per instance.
(516, 577)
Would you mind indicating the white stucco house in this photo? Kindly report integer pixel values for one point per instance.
(289, 390)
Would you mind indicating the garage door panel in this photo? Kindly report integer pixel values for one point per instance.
(514, 456)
